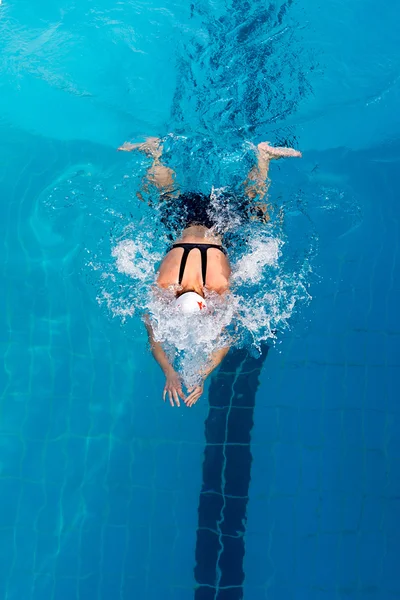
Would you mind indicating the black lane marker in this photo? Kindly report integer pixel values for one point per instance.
(223, 500)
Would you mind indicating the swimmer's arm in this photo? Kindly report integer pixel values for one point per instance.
(173, 385)
(215, 359)
(157, 350)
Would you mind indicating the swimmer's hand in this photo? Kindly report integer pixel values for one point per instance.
(173, 387)
(128, 147)
(270, 152)
(152, 147)
(194, 395)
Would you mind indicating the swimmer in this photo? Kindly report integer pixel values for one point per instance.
(196, 261)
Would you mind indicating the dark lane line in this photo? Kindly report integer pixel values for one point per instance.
(220, 545)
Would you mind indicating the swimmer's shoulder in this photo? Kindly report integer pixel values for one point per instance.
(167, 272)
(164, 279)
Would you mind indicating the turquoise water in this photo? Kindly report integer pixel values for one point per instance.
(282, 482)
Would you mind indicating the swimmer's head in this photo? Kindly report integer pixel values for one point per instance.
(189, 303)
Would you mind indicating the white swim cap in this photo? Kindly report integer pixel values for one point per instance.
(190, 302)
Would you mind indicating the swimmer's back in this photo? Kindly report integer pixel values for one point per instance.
(218, 270)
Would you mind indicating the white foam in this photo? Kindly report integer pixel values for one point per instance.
(116, 306)
(261, 253)
(135, 258)
(262, 299)
(192, 338)
(268, 280)
(269, 277)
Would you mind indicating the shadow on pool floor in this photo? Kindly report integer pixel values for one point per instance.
(220, 545)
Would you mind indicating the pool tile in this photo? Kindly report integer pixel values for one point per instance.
(354, 386)
(393, 481)
(114, 542)
(44, 585)
(287, 477)
(352, 474)
(372, 549)
(88, 586)
(254, 592)
(331, 510)
(280, 511)
(7, 550)
(67, 562)
(375, 471)
(390, 575)
(332, 427)
(239, 425)
(118, 461)
(375, 393)
(259, 566)
(11, 490)
(182, 568)
(231, 593)
(391, 520)
(13, 412)
(33, 500)
(137, 554)
(266, 418)
(166, 456)
(208, 547)
(348, 562)
(375, 426)
(53, 456)
(205, 592)
(288, 419)
(310, 427)
(307, 507)
(353, 504)
(111, 587)
(326, 564)
(231, 562)
(263, 472)
(392, 435)
(306, 549)
(90, 544)
(237, 470)
(282, 555)
(353, 427)
(310, 469)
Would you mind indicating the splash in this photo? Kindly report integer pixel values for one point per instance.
(126, 284)
(135, 258)
(262, 299)
(189, 340)
(262, 253)
(126, 239)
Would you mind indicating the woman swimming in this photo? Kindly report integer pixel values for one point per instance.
(196, 264)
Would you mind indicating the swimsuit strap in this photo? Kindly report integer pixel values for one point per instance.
(203, 252)
(183, 264)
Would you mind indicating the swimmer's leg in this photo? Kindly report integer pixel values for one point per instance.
(162, 177)
(257, 182)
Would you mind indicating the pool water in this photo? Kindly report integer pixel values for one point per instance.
(282, 482)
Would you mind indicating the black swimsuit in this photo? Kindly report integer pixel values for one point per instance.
(203, 251)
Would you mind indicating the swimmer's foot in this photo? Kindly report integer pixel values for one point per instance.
(151, 146)
(271, 152)
(260, 212)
